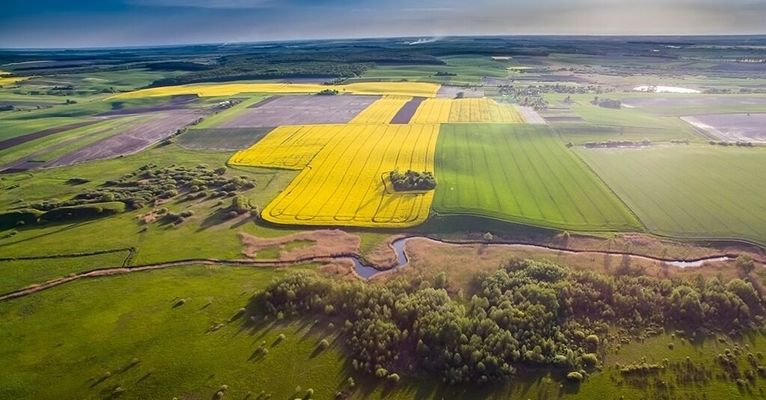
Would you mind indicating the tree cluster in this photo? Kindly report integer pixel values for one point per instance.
(527, 313)
(412, 180)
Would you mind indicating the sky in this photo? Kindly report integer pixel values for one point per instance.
(107, 23)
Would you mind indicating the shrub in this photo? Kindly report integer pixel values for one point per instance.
(25, 216)
(323, 344)
(592, 341)
(575, 376)
(412, 180)
(393, 378)
(381, 372)
(589, 359)
(89, 210)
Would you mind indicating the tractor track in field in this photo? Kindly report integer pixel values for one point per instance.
(362, 269)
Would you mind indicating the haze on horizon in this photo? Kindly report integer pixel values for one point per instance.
(83, 23)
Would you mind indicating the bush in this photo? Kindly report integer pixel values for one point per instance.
(13, 218)
(393, 378)
(592, 341)
(89, 210)
(575, 376)
(589, 359)
(412, 180)
(240, 204)
(323, 344)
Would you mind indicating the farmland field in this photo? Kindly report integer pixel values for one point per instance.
(694, 191)
(434, 111)
(382, 111)
(300, 110)
(731, 127)
(479, 168)
(343, 177)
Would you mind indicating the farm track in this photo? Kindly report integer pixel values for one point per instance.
(114, 271)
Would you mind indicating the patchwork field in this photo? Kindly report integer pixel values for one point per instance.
(343, 178)
(434, 111)
(696, 191)
(423, 89)
(300, 110)
(521, 173)
(382, 111)
(732, 127)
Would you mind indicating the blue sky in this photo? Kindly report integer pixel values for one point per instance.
(81, 23)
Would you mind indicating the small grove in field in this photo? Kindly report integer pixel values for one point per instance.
(412, 180)
(148, 185)
(528, 313)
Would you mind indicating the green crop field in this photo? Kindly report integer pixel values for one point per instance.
(691, 191)
(522, 173)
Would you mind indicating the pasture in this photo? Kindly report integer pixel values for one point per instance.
(343, 179)
(523, 174)
(694, 191)
(423, 89)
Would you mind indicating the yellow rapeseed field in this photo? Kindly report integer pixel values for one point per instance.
(382, 111)
(7, 80)
(345, 183)
(422, 89)
(473, 110)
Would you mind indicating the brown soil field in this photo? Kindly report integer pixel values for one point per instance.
(462, 263)
(224, 139)
(140, 136)
(732, 127)
(326, 243)
(404, 115)
(301, 110)
(451, 92)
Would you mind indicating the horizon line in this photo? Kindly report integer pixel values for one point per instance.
(279, 41)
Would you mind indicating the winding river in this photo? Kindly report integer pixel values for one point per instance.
(367, 271)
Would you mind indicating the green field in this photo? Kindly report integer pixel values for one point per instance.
(689, 191)
(522, 173)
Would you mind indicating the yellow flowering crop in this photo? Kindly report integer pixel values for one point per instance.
(382, 111)
(345, 183)
(422, 89)
(7, 80)
(473, 110)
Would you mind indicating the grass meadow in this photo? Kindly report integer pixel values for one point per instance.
(689, 191)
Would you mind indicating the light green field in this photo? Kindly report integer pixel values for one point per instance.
(130, 332)
(17, 274)
(128, 327)
(522, 173)
(689, 191)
